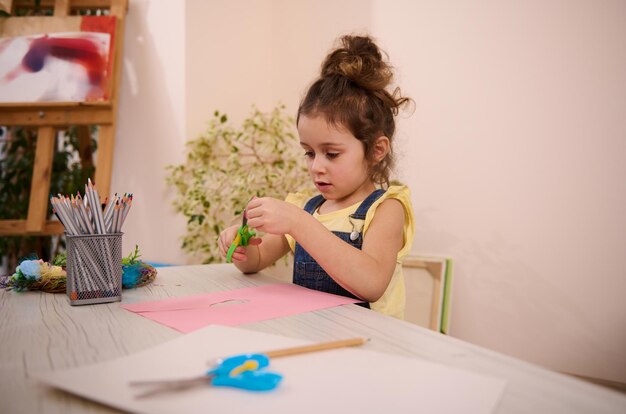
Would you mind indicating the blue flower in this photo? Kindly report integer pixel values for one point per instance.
(30, 269)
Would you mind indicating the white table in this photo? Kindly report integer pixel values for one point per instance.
(42, 332)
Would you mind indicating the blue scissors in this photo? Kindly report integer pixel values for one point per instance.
(243, 371)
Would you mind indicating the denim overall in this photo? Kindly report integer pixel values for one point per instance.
(306, 271)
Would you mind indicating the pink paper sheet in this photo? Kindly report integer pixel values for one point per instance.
(235, 307)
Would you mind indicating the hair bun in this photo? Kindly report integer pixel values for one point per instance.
(358, 59)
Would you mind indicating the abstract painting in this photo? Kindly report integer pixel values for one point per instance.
(56, 67)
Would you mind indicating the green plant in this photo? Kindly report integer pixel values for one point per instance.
(225, 166)
(69, 174)
(132, 258)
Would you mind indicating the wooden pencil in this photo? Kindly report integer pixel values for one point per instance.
(322, 346)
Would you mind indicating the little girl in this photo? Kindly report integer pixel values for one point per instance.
(350, 238)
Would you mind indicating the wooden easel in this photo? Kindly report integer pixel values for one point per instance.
(50, 117)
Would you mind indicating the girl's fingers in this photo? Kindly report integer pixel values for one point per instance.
(252, 204)
(239, 255)
(223, 246)
(254, 241)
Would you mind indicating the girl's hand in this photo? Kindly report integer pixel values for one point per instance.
(272, 216)
(226, 239)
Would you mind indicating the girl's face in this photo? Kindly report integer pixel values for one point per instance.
(336, 162)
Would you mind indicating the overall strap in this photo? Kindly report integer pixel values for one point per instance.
(314, 203)
(366, 204)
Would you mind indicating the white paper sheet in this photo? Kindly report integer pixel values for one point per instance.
(347, 380)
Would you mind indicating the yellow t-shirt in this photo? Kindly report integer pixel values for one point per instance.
(392, 302)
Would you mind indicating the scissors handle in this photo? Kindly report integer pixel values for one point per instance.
(227, 365)
(242, 371)
(249, 380)
(241, 239)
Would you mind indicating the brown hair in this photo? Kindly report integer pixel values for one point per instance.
(351, 93)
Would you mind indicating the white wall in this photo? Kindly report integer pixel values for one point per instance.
(151, 126)
(259, 52)
(515, 157)
(513, 152)
(228, 60)
(302, 34)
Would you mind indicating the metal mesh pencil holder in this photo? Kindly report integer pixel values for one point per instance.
(94, 268)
